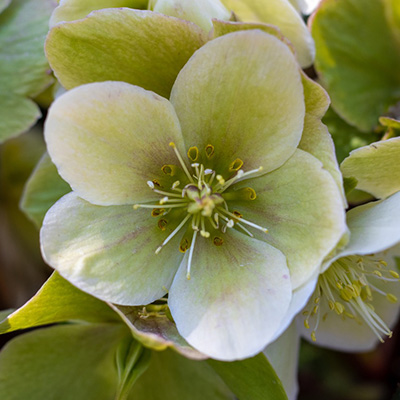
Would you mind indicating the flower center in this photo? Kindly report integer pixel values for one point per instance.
(197, 198)
(348, 288)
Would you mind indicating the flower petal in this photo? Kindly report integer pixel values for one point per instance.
(235, 299)
(201, 12)
(108, 139)
(242, 93)
(376, 167)
(71, 10)
(302, 208)
(139, 47)
(373, 227)
(282, 14)
(108, 251)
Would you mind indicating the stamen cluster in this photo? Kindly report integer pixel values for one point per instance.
(201, 195)
(347, 289)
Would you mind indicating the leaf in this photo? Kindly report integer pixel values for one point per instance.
(57, 301)
(357, 58)
(251, 379)
(24, 71)
(68, 362)
(173, 377)
(42, 190)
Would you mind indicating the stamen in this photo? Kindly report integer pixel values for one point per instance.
(136, 206)
(181, 162)
(175, 231)
(191, 254)
(260, 228)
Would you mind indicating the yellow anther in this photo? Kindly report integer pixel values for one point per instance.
(172, 144)
(392, 298)
(378, 273)
(306, 324)
(331, 305)
(313, 337)
(156, 212)
(384, 263)
(218, 241)
(317, 299)
(156, 182)
(162, 224)
(205, 234)
(163, 200)
(394, 274)
(305, 313)
(315, 309)
(349, 315)
(237, 214)
(236, 165)
(193, 153)
(339, 308)
(339, 285)
(209, 150)
(136, 206)
(184, 245)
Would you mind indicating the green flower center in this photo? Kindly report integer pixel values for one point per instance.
(199, 199)
(348, 289)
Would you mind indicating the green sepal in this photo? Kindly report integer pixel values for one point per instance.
(42, 190)
(58, 301)
(251, 379)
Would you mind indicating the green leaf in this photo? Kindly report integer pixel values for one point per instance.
(139, 47)
(68, 362)
(42, 190)
(173, 377)
(251, 379)
(58, 301)
(358, 59)
(345, 136)
(24, 71)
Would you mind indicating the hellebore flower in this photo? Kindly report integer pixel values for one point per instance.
(141, 221)
(355, 302)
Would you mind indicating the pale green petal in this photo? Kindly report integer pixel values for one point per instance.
(283, 354)
(24, 71)
(236, 298)
(68, 362)
(71, 10)
(224, 27)
(376, 167)
(139, 47)
(373, 227)
(43, 188)
(242, 93)
(302, 208)
(173, 377)
(201, 12)
(157, 332)
(108, 139)
(357, 58)
(300, 297)
(352, 335)
(57, 301)
(316, 139)
(282, 14)
(109, 251)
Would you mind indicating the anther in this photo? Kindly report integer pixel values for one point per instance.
(156, 212)
(150, 184)
(163, 200)
(162, 224)
(184, 245)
